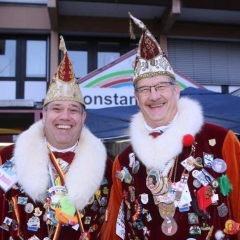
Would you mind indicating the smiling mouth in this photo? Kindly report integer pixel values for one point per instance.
(63, 126)
(155, 105)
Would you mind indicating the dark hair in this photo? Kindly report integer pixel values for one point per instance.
(153, 178)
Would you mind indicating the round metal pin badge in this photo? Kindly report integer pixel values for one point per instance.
(29, 208)
(169, 226)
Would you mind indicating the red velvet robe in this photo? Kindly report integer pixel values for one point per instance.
(95, 214)
(227, 147)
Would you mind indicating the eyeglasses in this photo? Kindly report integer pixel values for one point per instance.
(159, 87)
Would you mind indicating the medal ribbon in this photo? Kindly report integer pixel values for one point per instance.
(57, 167)
(16, 211)
(62, 177)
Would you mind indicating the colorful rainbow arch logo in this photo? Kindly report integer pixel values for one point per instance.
(119, 73)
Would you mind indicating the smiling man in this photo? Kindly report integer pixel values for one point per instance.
(171, 144)
(63, 122)
(56, 179)
(157, 109)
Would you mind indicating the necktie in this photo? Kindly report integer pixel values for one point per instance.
(67, 156)
(155, 134)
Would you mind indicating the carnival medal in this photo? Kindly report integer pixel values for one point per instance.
(169, 226)
(85, 236)
(166, 210)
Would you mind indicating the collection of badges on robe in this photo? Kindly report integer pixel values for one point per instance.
(168, 196)
(55, 206)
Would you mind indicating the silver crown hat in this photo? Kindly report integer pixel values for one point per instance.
(150, 59)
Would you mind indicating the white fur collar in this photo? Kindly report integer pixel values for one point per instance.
(156, 152)
(85, 173)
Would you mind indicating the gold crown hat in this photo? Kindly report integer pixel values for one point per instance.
(150, 59)
(64, 85)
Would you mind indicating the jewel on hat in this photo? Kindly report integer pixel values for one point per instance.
(150, 59)
(64, 85)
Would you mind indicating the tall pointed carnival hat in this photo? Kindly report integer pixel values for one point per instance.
(150, 59)
(64, 85)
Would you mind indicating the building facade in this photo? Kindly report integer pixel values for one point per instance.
(201, 38)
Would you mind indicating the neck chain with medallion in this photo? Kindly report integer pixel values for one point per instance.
(65, 216)
(167, 193)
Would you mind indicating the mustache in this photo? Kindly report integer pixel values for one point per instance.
(156, 103)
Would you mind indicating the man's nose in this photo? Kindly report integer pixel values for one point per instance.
(153, 93)
(65, 114)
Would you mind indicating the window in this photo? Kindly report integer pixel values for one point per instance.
(80, 62)
(90, 54)
(7, 58)
(23, 67)
(36, 59)
(24, 61)
(107, 52)
(206, 62)
(106, 57)
(26, 1)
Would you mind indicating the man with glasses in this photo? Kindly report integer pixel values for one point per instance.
(165, 184)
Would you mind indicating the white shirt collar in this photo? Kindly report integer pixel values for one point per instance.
(71, 149)
(160, 128)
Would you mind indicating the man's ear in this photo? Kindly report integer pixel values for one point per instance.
(177, 89)
(84, 116)
(136, 97)
(43, 116)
